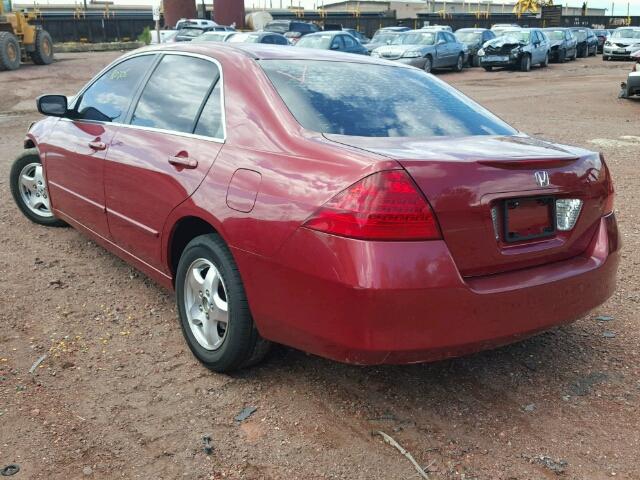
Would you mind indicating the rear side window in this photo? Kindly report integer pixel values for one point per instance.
(173, 96)
(108, 99)
(376, 101)
(210, 121)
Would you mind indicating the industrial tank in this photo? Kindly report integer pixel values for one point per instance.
(228, 12)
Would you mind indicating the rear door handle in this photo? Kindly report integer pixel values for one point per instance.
(184, 162)
(98, 145)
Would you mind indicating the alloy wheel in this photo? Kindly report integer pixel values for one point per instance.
(206, 305)
(33, 190)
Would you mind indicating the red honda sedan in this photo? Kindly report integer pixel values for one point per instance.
(354, 208)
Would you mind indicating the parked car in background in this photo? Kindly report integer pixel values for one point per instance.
(294, 30)
(426, 50)
(165, 35)
(445, 28)
(587, 41)
(324, 201)
(362, 38)
(474, 38)
(563, 45)
(258, 37)
(499, 28)
(214, 37)
(188, 33)
(383, 37)
(520, 48)
(338, 41)
(622, 43)
(602, 35)
(632, 86)
(194, 22)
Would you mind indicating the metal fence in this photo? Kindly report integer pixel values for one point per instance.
(95, 28)
(122, 26)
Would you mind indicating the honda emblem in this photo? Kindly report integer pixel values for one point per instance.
(542, 178)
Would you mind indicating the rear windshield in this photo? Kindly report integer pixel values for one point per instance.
(244, 38)
(468, 36)
(278, 27)
(190, 32)
(315, 41)
(384, 37)
(371, 100)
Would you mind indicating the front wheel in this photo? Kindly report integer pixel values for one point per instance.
(43, 53)
(525, 63)
(213, 307)
(29, 189)
(475, 61)
(488, 69)
(459, 64)
(562, 56)
(546, 61)
(428, 64)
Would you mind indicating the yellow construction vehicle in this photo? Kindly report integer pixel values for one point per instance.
(20, 39)
(530, 6)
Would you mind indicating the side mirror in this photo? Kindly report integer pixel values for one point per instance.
(441, 42)
(335, 47)
(52, 105)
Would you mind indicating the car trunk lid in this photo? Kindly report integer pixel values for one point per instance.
(469, 181)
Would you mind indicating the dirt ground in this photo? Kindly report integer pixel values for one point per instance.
(120, 396)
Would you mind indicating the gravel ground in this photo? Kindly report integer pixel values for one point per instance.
(120, 395)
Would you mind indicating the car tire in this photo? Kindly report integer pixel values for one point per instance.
(216, 320)
(9, 51)
(428, 64)
(459, 66)
(525, 63)
(29, 189)
(584, 53)
(43, 53)
(605, 58)
(488, 69)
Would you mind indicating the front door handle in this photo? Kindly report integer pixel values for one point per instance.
(184, 162)
(97, 145)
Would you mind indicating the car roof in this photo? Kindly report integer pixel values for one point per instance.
(261, 51)
(471, 30)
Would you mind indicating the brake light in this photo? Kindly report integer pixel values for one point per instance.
(383, 206)
(608, 203)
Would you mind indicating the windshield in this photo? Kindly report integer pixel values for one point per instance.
(385, 37)
(211, 37)
(415, 39)
(315, 41)
(555, 34)
(468, 37)
(515, 36)
(278, 27)
(369, 100)
(626, 33)
(190, 32)
(244, 38)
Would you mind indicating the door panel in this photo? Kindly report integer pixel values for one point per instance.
(144, 183)
(75, 172)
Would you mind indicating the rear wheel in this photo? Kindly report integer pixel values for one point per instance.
(43, 53)
(213, 308)
(525, 63)
(9, 51)
(428, 64)
(29, 189)
(459, 64)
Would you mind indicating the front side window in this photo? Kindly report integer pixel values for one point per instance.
(384, 101)
(172, 97)
(108, 99)
(349, 42)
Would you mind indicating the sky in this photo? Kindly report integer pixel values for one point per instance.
(620, 7)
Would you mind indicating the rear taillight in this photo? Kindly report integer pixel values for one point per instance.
(383, 206)
(608, 203)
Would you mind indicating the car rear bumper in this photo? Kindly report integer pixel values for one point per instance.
(402, 302)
